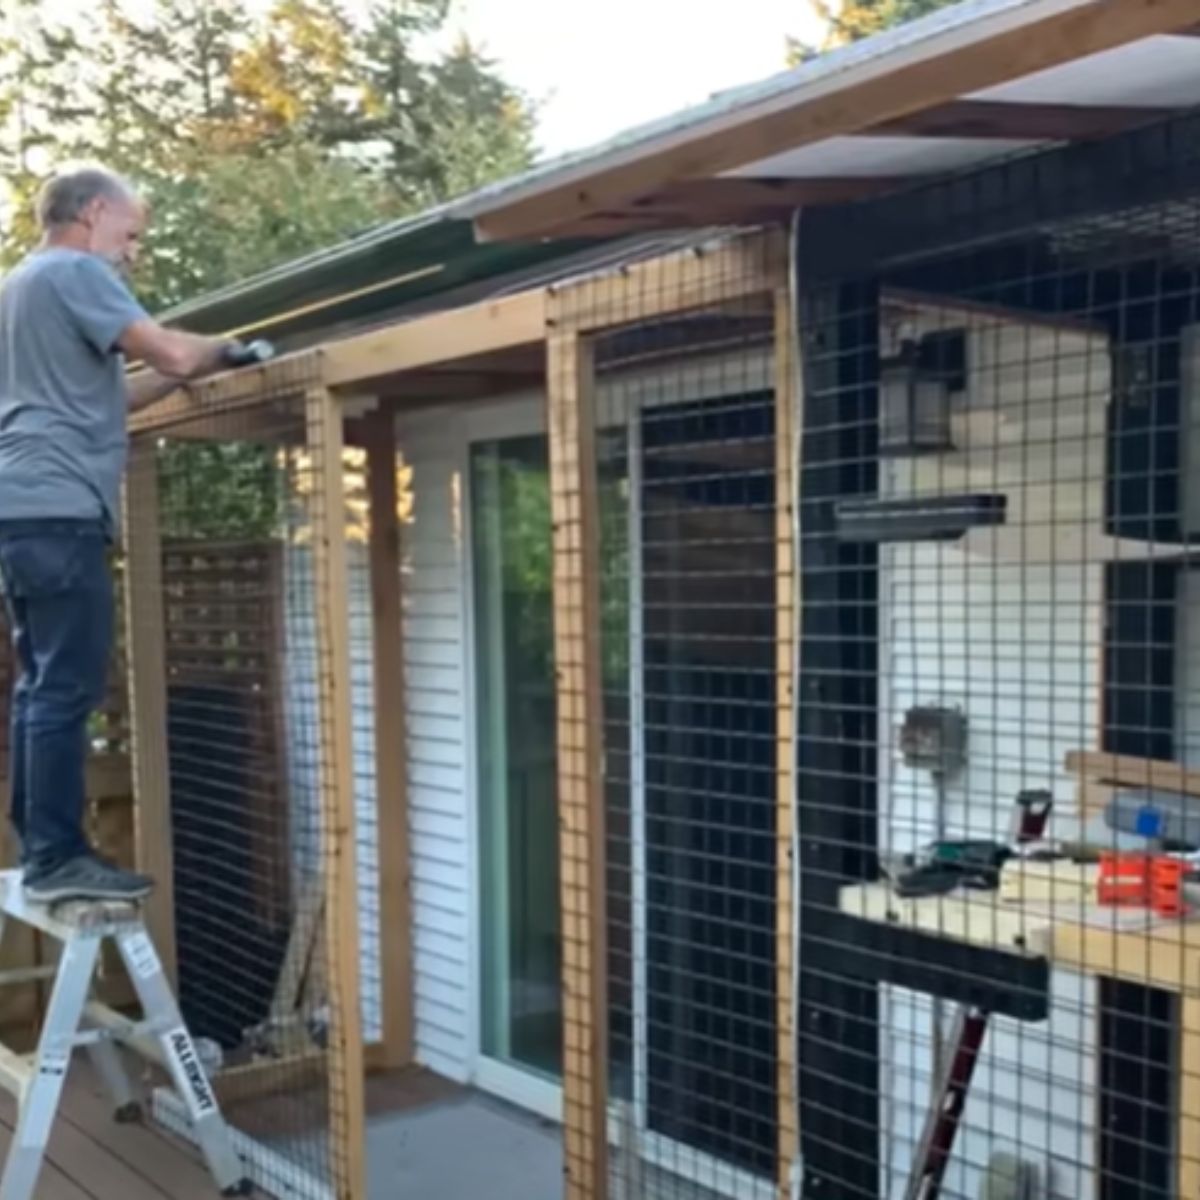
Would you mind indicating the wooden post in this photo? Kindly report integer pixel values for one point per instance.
(1187, 1147)
(787, 395)
(574, 509)
(145, 633)
(391, 742)
(347, 1116)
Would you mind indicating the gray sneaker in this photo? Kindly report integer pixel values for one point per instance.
(86, 878)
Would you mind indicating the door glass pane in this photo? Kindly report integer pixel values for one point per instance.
(514, 670)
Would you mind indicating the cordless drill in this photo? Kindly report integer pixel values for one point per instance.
(248, 354)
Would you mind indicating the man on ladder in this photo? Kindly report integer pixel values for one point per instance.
(67, 322)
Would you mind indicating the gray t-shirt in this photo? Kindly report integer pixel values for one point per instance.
(63, 402)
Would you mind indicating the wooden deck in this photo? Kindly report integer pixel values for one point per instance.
(93, 1158)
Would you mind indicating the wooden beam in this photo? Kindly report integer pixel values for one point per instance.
(787, 401)
(1129, 771)
(347, 1103)
(279, 1076)
(727, 201)
(441, 337)
(580, 723)
(218, 396)
(970, 56)
(270, 1077)
(660, 287)
(147, 675)
(1018, 122)
(391, 742)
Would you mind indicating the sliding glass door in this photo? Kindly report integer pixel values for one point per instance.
(688, 656)
(518, 828)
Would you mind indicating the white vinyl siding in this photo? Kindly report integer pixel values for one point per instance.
(1010, 631)
(437, 713)
(303, 750)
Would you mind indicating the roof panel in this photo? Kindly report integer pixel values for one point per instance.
(1161, 72)
(869, 157)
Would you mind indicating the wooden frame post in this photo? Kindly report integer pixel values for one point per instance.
(787, 396)
(1187, 1134)
(145, 633)
(574, 502)
(347, 1107)
(391, 742)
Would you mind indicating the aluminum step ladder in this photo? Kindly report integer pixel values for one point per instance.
(71, 1021)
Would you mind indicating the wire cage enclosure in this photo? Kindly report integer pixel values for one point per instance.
(671, 388)
(955, 956)
(240, 524)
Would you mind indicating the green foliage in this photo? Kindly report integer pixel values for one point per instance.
(853, 20)
(255, 135)
(220, 492)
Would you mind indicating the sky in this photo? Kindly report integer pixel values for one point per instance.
(600, 68)
(596, 69)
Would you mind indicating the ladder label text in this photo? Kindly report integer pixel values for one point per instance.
(184, 1054)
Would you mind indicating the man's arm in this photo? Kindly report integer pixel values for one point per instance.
(148, 387)
(172, 354)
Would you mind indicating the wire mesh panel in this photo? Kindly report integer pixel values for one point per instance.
(674, 512)
(998, 953)
(255, 507)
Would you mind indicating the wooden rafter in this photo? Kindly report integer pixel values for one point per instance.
(966, 59)
(729, 201)
(1018, 122)
(733, 200)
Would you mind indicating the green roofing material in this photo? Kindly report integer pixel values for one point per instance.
(424, 256)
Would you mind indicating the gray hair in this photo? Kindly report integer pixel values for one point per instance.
(65, 196)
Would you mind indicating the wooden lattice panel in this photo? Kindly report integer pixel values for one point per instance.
(223, 609)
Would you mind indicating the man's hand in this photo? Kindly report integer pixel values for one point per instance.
(175, 358)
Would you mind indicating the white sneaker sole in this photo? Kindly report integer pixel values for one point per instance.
(57, 895)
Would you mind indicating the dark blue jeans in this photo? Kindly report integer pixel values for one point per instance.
(59, 595)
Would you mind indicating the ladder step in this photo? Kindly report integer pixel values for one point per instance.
(16, 1071)
(15, 976)
(63, 921)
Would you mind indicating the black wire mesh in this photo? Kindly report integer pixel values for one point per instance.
(996, 516)
(251, 742)
(685, 592)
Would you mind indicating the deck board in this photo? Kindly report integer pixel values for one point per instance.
(92, 1158)
(53, 1183)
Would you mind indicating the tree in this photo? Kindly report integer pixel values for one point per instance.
(255, 135)
(853, 20)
